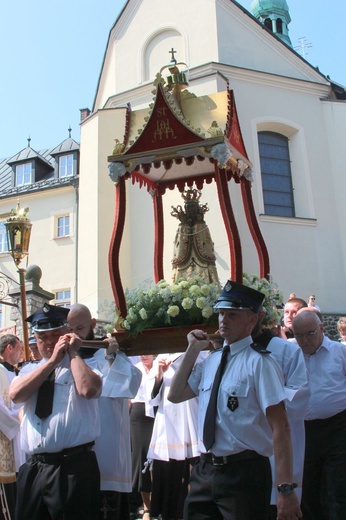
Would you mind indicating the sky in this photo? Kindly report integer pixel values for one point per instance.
(51, 55)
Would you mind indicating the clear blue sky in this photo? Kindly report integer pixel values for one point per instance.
(51, 55)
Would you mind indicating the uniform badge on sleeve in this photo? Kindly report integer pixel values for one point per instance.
(232, 403)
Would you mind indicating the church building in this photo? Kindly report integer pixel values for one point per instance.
(291, 123)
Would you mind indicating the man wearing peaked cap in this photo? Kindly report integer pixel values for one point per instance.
(237, 296)
(242, 418)
(48, 317)
(60, 423)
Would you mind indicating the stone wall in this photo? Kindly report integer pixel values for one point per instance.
(329, 324)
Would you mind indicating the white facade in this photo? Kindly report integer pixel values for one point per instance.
(275, 90)
(56, 256)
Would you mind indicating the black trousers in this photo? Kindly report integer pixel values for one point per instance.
(324, 477)
(64, 490)
(238, 490)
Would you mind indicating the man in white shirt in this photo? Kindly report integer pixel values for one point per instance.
(61, 478)
(233, 477)
(292, 306)
(324, 479)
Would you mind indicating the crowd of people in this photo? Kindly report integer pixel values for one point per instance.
(250, 428)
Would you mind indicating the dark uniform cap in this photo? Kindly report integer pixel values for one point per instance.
(32, 340)
(49, 317)
(237, 296)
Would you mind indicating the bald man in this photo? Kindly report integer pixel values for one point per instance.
(121, 380)
(324, 478)
(311, 309)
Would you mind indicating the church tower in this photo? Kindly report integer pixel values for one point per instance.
(274, 14)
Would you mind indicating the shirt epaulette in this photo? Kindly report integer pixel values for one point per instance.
(259, 348)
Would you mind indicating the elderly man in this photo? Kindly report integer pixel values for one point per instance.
(11, 351)
(61, 477)
(121, 380)
(324, 480)
(241, 417)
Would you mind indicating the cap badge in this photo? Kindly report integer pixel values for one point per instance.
(228, 286)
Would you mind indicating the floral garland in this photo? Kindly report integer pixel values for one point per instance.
(187, 302)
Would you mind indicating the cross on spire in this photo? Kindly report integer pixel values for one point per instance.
(29, 141)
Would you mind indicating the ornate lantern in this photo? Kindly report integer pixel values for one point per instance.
(18, 229)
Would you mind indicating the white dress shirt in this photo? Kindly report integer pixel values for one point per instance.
(74, 419)
(327, 373)
(256, 381)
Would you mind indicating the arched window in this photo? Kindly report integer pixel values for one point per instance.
(279, 25)
(158, 46)
(276, 174)
(268, 23)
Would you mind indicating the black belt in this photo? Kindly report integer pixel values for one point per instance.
(58, 457)
(222, 461)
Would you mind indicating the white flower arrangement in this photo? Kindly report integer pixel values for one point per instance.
(188, 302)
(168, 305)
(273, 300)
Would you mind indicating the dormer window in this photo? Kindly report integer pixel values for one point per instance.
(24, 174)
(66, 168)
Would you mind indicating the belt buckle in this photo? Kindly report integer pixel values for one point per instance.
(216, 462)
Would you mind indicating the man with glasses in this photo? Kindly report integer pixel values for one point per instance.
(311, 302)
(324, 479)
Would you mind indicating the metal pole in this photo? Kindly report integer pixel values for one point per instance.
(21, 272)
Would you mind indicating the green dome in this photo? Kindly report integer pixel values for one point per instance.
(274, 14)
(260, 8)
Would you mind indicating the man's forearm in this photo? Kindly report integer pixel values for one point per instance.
(180, 389)
(22, 387)
(88, 383)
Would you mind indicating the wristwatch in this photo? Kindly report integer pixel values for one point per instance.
(110, 356)
(286, 489)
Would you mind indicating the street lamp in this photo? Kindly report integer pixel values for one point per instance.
(18, 229)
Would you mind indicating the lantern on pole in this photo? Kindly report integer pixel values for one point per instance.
(18, 230)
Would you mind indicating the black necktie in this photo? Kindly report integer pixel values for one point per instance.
(210, 416)
(45, 395)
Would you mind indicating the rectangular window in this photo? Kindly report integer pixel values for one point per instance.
(23, 174)
(3, 238)
(276, 174)
(66, 166)
(63, 229)
(63, 297)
